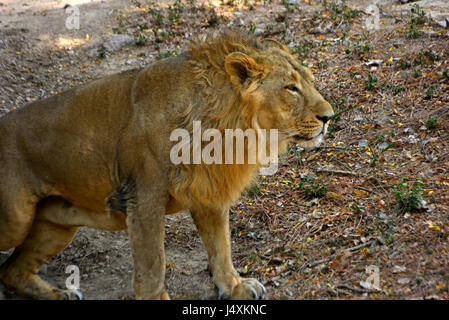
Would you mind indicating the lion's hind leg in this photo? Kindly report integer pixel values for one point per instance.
(19, 272)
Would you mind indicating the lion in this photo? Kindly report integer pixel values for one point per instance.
(98, 156)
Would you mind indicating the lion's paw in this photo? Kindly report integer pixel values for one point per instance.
(247, 289)
(72, 295)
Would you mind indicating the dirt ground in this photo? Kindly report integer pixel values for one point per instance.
(375, 194)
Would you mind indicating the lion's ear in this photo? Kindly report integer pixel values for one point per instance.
(277, 44)
(240, 67)
(308, 74)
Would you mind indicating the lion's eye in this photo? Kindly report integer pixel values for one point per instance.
(292, 87)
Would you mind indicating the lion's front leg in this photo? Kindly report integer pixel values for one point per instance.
(145, 222)
(213, 227)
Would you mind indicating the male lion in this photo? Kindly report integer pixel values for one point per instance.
(99, 156)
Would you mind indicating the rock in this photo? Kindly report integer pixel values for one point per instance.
(93, 52)
(317, 30)
(398, 269)
(403, 280)
(308, 176)
(292, 2)
(117, 41)
(374, 63)
(362, 144)
(258, 31)
(383, 145)
(312, 202)
(443, 23)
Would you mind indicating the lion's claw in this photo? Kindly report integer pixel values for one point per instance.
(73, 295)
(246, 289)
(249, 289)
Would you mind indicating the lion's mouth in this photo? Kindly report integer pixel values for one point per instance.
(321, 134)
(310, 142)
(297, 137)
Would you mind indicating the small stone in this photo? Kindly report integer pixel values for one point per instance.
(363, 143)
(398, 269)
(403, 280)
(383, 145)
(117, 41)
(370, 63)
(258, 31)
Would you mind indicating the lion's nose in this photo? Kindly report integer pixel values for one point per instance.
(325, 119)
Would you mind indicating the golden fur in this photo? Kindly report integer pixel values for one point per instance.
(98, 156)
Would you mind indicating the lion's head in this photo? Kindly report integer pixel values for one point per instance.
(245, 83)
(276, 91)
(280, 93)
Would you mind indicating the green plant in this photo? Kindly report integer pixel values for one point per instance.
(446, 74)
(380, 137)
(371, 83)
(426, 57)
(428, 94)
(159, 37)
(213, 19)
(431, 122)
(254, 256)
(167, 54)
(340, 11)
(394, 89)
(140, 39)
(303, 49)
(358, 208)
(252, 27)
(175, 11)
(157, 15)
(409, 196)
(375, 156)
(404, 64)
(313, 189)
(417, 18)
(253, 190)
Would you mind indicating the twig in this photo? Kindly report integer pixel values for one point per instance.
(351, 173)
(364, 189)
(360, 246)
(332, 257)
(358, 290)
(337, 148)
